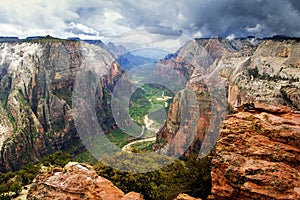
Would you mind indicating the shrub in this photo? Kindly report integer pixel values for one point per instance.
(15, 188)
(191, 176)
(58, 158)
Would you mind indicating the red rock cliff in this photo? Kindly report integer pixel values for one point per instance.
(258, 155)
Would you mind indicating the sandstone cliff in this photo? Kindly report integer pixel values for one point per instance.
(270, 75)
(36, 84)
(248, 70)
(257, 155)
(76, 181)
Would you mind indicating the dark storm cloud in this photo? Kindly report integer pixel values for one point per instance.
(216, 17)
(164, 31)
(240, 17)
(295, 4)
(111, 18)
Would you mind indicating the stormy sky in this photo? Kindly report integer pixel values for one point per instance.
(108, 20)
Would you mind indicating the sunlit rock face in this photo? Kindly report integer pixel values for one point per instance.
(271, 75)
(257, 155)
(36, 83)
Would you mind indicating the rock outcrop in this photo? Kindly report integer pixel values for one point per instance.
(76, 181)
(185, 197)
(258, 155)
(187, 122)
(270, 75)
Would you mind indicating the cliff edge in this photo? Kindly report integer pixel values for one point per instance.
(258, 155)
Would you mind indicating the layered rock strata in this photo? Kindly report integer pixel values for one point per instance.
(258, 155)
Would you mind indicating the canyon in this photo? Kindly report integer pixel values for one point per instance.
(242, 107)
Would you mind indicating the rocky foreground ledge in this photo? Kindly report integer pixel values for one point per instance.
(258, 155)
(76, 181)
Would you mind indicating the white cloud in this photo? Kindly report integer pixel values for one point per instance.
(10, 30)
(198, 34)
(36, 17)
(230, 37)
(258, 28)
(161, 38)
(82, 28)
(111, 15)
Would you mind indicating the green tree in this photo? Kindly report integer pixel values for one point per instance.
(15, 188)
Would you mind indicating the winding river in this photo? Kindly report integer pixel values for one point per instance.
(148, 125)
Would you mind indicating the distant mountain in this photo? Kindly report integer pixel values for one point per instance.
(171, 56)
(96, 42)
(9, 39)
(37, 37)
(74, 38)
(125, 58)
(116, 50)
(128, 60)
